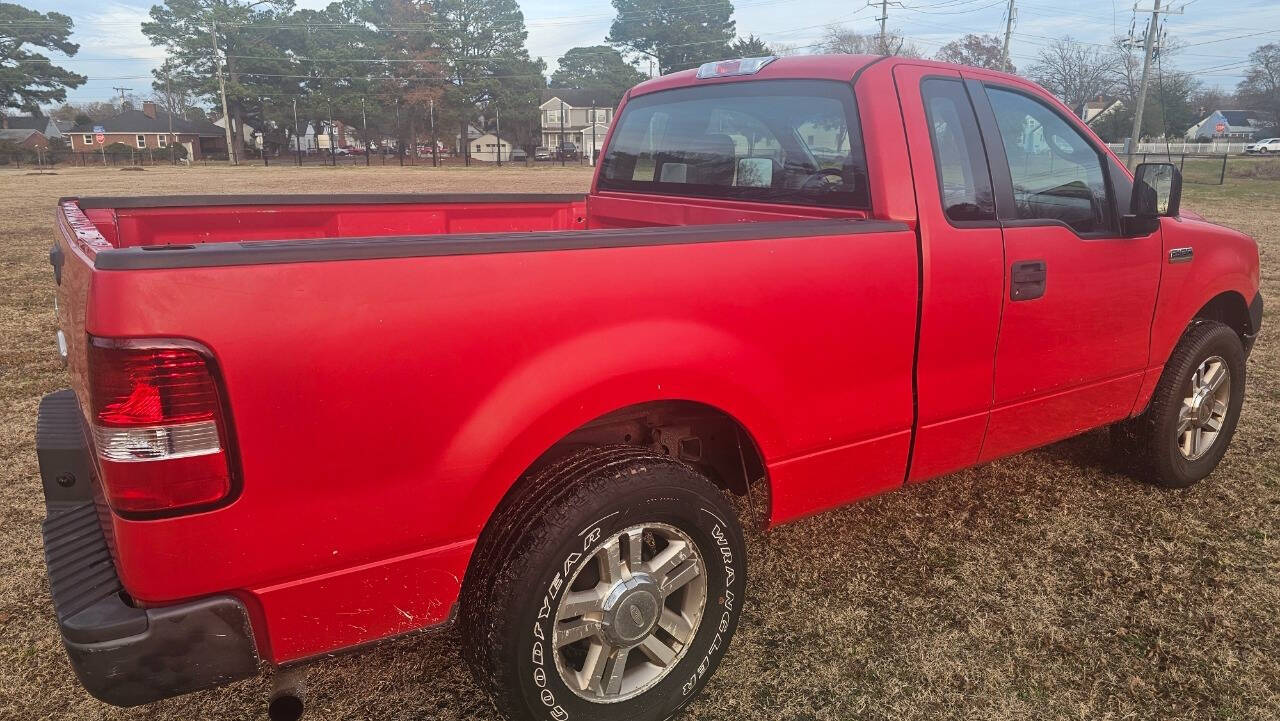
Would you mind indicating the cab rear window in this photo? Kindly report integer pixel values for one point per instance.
(780, 141)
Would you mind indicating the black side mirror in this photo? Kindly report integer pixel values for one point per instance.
(1157, 192)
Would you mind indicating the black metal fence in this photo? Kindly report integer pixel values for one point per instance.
(1199, 168)
(32, 160)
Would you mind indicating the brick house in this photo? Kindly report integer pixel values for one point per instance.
(148, 128)
(49, 128)
(24, 138)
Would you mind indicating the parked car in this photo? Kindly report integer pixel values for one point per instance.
(1262, 147)
(519, 154)
(567, 151)
(526, 414)
(341, 151)
(542, 153)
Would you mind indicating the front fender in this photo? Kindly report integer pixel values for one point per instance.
(1222, 260)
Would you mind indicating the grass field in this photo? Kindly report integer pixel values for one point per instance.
(1046, 586)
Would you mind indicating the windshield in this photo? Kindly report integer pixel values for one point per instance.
(785, 141)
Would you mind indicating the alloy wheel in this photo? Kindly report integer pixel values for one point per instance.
(634, 605)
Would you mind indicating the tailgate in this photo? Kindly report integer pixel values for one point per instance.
(77, 242)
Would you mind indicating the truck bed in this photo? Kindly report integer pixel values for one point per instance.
(472, 349)
(188, 220)
(376, 225)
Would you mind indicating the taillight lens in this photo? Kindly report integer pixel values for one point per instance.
(157, 425)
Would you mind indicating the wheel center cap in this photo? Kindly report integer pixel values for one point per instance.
(631, 610)
(1201, 407)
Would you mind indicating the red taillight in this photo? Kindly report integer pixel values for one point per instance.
(157, 424)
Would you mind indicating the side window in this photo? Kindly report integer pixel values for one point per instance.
(964, 180)
(1057, 174)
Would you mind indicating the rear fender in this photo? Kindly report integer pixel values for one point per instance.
(552, 394)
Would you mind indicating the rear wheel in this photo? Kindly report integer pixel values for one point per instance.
(607, 587)
(1195, 408)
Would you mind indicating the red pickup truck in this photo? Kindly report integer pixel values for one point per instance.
(300, 424)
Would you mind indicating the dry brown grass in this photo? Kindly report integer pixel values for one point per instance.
(1043, 586)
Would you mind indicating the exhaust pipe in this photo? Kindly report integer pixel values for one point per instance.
(288, 692)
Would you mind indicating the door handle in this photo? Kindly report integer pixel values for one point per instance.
(1027, 279)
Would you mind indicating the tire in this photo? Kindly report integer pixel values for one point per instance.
(546, 550)
(1159, 445)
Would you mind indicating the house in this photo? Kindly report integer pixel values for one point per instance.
(1228, 125)
(251, 137)
(24, 138)
(49, 128)
(1097, 110)
(148, 128)
(486, 147)
(579, 116)
(473, 133)
(309, 139)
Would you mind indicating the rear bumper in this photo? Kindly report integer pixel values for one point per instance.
(123, 654)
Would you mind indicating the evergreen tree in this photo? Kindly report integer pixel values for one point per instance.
(677, 34)
(596, 66)
(28, 79)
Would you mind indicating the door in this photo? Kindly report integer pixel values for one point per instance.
(1078, 296)
(962, 270)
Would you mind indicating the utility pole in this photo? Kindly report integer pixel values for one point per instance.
(884, 16)
(1148, 48)
(497, 123)
(232, 155)
(1008, 30)
(121, 91)
(168, 101)
(594, 147)
(364, 130)
(435, 145)
(333, 139)
(297, 140)
(560, 150)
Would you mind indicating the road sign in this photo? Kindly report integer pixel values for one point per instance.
(100, 138)
(1220, 128)
(99, 129)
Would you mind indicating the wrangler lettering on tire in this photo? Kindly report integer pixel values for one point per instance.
(607, 587)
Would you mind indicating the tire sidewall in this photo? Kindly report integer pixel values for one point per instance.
(1223, 342)
(708, 521)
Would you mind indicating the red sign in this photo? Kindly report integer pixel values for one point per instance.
(100, 138)
(1220, 128)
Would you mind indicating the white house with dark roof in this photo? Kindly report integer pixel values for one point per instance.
(1229, 125)
(581, 116)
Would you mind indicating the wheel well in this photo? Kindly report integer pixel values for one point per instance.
(1230, 309)
(703, 436)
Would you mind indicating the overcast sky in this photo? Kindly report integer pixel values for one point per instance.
(1217, 35)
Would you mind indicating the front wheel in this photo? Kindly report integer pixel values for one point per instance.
(607, 587)
(1193, 413)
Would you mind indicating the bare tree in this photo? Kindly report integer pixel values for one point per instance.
(841, 39)
(1169, 109)
(981, 51)
(1261, 84)
(1075, 72)
(1205, 100)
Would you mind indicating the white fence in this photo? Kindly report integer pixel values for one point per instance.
(1214, 148)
